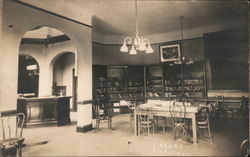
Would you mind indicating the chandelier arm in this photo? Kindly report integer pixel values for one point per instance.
(128, 39)
(146, 41)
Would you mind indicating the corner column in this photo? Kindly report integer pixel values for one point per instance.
(84, 86)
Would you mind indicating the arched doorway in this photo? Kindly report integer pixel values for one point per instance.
(49, 45)
(64, 77)
(28, 76)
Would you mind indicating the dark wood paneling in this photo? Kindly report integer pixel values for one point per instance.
(227, 52)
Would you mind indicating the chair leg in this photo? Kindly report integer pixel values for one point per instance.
(148, 129)
(153, 129)
(97, 125)
(209, 133)
(110, 123)
(139, 130)
(174, 133)
(19, 150)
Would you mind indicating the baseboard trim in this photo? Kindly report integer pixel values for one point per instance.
(84, 128)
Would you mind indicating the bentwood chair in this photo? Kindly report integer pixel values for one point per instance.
(216, 107)
(202, 121)
(178, 115)
(11, 135)
(244, 148)
(131, 106)
(145, 120)
(103, 113)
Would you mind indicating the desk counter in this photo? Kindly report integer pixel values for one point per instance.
(45, 109)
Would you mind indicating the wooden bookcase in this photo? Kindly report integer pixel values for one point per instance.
(154, 81)
(116, 82)
(189, 80)
(136, 82)
(99, 82)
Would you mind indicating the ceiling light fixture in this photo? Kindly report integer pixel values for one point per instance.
(138, 43)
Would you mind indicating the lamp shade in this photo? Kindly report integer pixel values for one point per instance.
(149, 49)
(124, 47)
(133, 51)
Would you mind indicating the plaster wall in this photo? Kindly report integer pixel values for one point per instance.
(196, 32)
(104, 54)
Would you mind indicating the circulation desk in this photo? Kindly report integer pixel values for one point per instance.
(45, 109)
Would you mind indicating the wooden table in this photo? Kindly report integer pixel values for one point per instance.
(164, 111)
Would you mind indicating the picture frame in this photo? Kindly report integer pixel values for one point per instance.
(170, 53)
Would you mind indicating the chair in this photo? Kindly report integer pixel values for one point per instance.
(158, 118)
(145, 120)
(103, 113)
(202, 121)
(216, 107)
(11, 136)
(244, 148)
(161, 118)
(178, 115)
(131, 106)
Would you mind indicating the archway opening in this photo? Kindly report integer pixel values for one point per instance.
(64, 77)
(28, 76)
(55, 53)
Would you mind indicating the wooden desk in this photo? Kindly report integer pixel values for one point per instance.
(164, 111)
(39, 110)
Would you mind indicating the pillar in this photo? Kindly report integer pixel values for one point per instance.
(44, 80)
(84, 86)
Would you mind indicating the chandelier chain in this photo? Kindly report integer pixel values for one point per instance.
(181, 23)
(136, 20)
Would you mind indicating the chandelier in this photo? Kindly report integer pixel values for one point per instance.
(138, 43)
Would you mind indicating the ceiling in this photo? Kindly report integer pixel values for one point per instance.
(117, 17)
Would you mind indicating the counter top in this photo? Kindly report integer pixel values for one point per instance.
(49, 97)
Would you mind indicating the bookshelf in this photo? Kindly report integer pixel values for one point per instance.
(191, 82)
(137, 82)
(154, 81)
(116, 82)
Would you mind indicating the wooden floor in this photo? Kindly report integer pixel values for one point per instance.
(65, 141)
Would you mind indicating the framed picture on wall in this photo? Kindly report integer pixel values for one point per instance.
(170, 53)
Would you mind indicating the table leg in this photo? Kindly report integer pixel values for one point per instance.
(135, 123)
(194, 129)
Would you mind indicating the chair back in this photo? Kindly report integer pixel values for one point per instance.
(11, 126)
(144, 115)
(203, 114)
(219, 100)
(178, 113)
(131, 106)
(103, 109)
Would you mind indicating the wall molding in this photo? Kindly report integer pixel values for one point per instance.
(159, 43)
(44, 41)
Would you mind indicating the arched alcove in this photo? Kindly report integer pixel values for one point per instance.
(50, 46)
(28, 75)
(64, 76)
